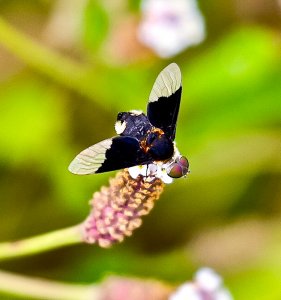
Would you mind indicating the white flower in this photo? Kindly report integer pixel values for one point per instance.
(208, 279)
(162, 174)
(207, 285)
(169, 27)
(151, 171)
(138, 170)
(186, 291)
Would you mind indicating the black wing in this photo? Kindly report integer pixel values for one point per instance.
(109, 155)
(164, 100)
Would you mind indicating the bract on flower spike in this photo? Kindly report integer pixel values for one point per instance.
(146, 150)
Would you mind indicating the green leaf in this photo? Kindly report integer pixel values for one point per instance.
(31, 117)
(95, 25)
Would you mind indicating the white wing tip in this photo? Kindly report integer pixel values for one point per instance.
(72, 168)
(167, 82)
(173, 67)
(78, 168)
(91, 159)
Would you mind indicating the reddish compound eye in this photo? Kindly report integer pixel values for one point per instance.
(175, 171)
(178, 168)
(184, 162)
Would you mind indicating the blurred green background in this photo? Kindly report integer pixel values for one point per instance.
(62, 95)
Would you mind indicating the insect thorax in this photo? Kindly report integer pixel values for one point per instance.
(132, 124)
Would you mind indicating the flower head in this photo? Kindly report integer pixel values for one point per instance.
(122, 288)
(169, 27)
(207, 285)
(117, 209)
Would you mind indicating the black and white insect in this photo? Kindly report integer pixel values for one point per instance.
(144, 142)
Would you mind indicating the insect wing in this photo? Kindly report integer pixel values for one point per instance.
(164, 100)
(108, 155)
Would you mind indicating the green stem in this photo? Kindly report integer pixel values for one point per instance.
(45, 242)
(35, 288)
(46, 61)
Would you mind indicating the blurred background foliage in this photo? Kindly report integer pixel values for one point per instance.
(62, 93)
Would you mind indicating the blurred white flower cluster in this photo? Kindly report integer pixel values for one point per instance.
(168, 27)
(207, 285)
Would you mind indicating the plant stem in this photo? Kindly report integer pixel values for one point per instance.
(29, 288)
(64, 70)
(41, 243)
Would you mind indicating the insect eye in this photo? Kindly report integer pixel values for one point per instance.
(184, 162)
(175, 171)
(178, 168)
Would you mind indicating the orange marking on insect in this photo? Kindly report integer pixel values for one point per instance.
(144, 144)
(145, 147)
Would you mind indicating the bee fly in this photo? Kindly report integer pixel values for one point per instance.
(143, 140)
